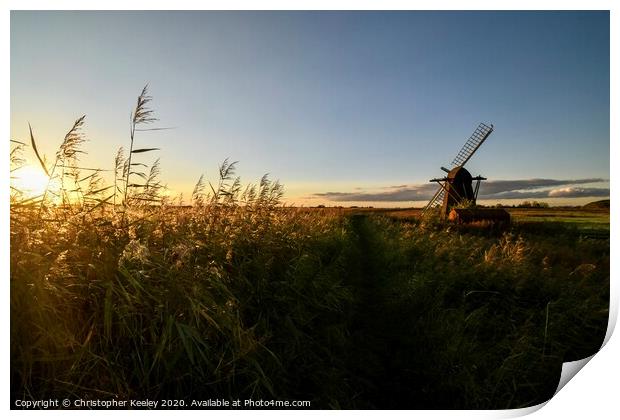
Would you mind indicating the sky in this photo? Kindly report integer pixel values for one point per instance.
(344, 108)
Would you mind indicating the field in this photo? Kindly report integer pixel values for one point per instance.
(346, 309)
(581, 217)
(117, 292)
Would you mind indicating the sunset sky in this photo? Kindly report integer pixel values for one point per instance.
(342, 107)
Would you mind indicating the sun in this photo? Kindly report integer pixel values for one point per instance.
(30, 180)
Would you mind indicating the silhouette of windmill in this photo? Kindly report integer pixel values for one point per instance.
(457, 187)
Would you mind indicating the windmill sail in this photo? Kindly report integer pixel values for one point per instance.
(472, 144)
(436, 200)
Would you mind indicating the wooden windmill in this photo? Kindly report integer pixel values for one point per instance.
(457, 187)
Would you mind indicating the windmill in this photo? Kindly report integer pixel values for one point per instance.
(457, 187)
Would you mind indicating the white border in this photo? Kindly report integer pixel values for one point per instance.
(592, 394)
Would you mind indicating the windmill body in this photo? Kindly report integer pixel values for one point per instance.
(458, 189)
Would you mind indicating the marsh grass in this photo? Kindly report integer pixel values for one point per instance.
(129, 295)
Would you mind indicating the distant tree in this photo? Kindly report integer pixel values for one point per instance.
(533, 204)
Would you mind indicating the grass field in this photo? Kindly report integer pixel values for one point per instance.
(345, 309)
(594, 220)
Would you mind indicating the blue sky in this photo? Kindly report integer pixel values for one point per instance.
(342, 107)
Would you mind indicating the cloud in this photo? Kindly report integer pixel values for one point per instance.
(579, 192)
(411, 193)
(502, 189)
(501, 186)
(550, 193)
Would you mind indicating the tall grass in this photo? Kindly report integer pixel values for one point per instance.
(483, 319)
(128, 295)
(134, 300)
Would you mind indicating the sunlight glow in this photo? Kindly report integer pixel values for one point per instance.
(30, 180)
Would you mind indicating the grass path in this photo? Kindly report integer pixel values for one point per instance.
(367, 347)
(378, 355)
